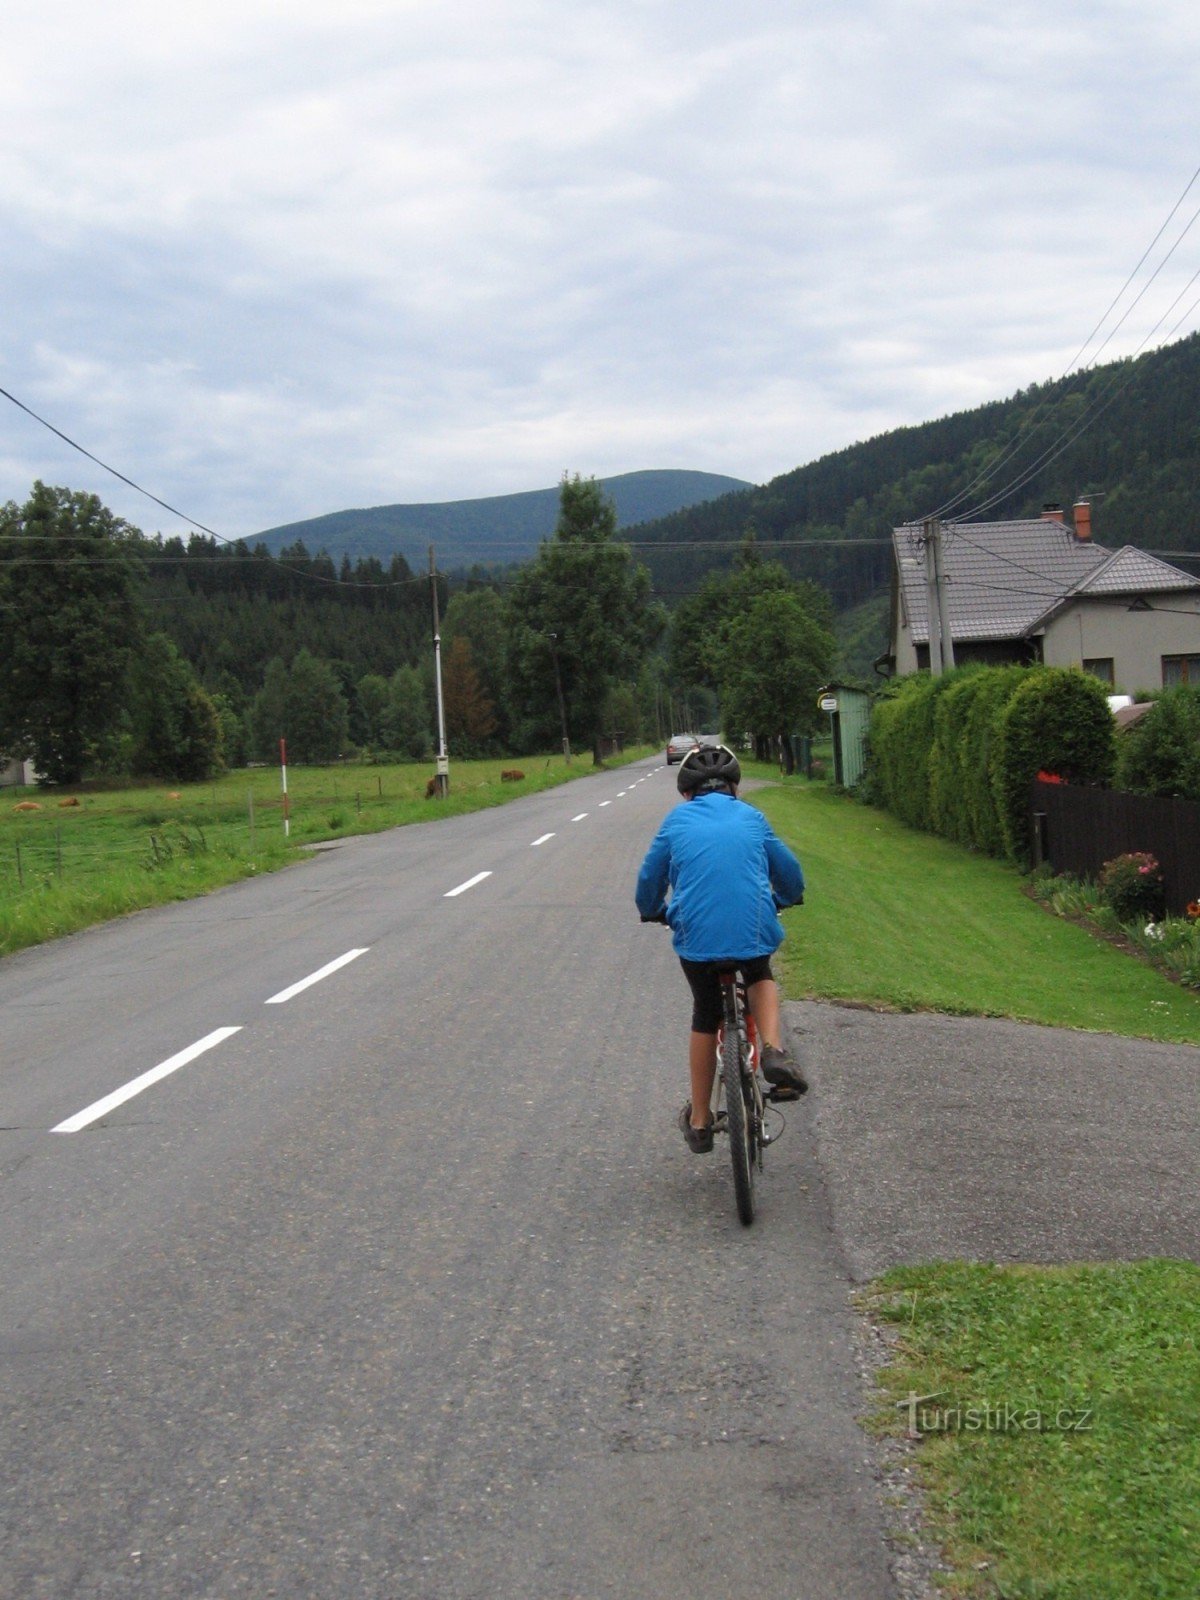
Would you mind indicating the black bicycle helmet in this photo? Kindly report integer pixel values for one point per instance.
(709, 767)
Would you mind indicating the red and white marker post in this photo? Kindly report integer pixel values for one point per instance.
(287, 822)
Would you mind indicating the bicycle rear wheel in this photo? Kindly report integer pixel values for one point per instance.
(739, 1119)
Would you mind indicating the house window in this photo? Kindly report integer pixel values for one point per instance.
(1100, 667)
(1180, 669)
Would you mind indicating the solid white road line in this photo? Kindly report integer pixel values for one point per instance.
(542, 840)
(463, 887)
(315, 977)
(580, 817)
(164, 1069)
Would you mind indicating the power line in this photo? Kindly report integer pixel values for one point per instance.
(174, 510)
(1137, 269)
(1035, 420)
(1094, 410)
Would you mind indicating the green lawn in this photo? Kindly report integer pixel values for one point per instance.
(65, 867)
(898, 918)
(1060, 1448)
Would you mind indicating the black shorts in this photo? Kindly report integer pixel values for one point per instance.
(707, 1009)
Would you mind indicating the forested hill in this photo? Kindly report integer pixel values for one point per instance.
(498, 530)
(1127, 434)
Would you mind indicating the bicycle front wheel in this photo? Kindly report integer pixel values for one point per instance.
(738, 1118)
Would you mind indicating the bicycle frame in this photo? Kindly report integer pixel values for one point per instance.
(737, 1102)
(739, 1016)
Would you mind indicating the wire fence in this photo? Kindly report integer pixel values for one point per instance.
(62, 855)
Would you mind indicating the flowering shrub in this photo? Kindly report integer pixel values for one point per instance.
(1132, 885)
(1172, 943)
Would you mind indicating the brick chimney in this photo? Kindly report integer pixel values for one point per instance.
(1083, 520)
(1052, 512)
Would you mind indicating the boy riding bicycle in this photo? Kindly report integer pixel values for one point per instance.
(727, 872)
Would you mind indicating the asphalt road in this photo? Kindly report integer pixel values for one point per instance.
(970, 1137)
(408, 1286)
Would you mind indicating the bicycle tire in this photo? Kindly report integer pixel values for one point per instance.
(738, 1120)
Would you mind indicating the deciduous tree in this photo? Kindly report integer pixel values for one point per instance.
(470, 715)
(70, 608)
(303, 704)
(776, 655)
(175, 724)
(579, 616)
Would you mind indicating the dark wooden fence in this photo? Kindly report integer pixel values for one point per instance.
(1077, 830)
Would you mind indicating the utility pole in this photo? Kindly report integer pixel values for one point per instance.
(442, 779)
(941, 639)
(562, 704)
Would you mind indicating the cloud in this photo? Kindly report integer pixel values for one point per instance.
(270, 261)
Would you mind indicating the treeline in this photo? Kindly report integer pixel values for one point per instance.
(122, 654)
(1123, 433)
(294, 643)
(230, 610)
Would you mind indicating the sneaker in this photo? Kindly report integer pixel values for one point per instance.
(698, 1140)
(782, 1072)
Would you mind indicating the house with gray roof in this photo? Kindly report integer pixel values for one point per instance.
(1040, 590)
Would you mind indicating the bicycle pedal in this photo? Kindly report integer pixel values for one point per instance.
(781, 1097)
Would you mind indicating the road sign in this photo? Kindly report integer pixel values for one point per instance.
(827, 702)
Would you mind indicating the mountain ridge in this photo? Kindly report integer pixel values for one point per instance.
(1123, 435)
(492, 530)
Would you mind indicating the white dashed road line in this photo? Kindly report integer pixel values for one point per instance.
(463, 887)
(315, 977)
(101, 1108)
(110, 1102)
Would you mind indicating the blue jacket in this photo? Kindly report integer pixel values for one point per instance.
(721, 861)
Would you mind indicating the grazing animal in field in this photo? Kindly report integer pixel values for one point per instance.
(431, 789)
(71, 800)
(27, 805)
(512, 775)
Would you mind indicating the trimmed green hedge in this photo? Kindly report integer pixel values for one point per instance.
(1057, 721)
(1160, 754)
(955, 755)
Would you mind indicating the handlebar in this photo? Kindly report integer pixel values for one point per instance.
(780, 905)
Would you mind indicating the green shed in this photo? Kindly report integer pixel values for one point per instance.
(849, 712)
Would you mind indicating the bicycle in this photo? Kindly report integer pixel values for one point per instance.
(739, 1106)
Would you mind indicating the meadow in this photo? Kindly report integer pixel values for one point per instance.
(70, 859)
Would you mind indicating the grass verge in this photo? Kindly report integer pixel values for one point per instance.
(85, 855)
(902, 919)
(1059, 1451)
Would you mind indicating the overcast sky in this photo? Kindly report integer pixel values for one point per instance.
(273, 258)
